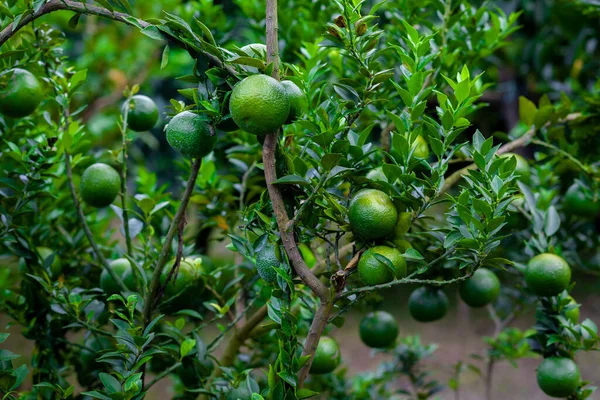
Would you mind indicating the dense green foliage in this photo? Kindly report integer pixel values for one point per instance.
(385, 161)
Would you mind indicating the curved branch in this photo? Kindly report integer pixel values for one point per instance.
(90, 9)
(165, 252)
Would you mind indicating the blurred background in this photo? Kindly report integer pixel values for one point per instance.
(555, 50)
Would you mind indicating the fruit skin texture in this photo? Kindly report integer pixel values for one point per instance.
(267, 258)
(254, 48)
(122, 267)
(547, 275)
(428, 304)
(572, 315)
(480, 289)
(558, 376)
(372, 214)
(100, 185)
(374, 272)
(422, 149)
(327, 357)
(259, 104)
(298, 101)
(378, 330)
(402, 244)
(20, 93)
(190, 134)
(580, 203)
(522, 168)
(142, 114)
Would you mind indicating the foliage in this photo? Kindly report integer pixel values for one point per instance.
(399, 94)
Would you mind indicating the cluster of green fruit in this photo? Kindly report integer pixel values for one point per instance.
(549, 275)
(373, 216)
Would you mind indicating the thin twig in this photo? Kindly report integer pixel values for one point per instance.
(165, 252)
(125, 214)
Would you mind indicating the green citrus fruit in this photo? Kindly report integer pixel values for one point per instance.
(402, 244)
(480, 289)
(327, 356)
(422, 149)
(267, 258)
(188, 285)
(298, 101)
(190, 134)
(122, 267)
(573, 314)
(547, 274)
(142, 114)
(579, 201)
(372, 214)
(100, 185)
(427, 304)
(56, 267)
(373, 271)
(403, 224)
(522, 168)
(378, 330)
(558, 377)
(259, 104)
(20, 93)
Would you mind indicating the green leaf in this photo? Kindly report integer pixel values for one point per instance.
(527, 110)
(292, 180)
(187, 346)
(331, 160)
(305, 393)
(152, 32)
(20, 373)
(552, 223)
(3, 337)
(111, 383)
(165, 57)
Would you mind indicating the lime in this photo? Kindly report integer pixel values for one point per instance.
(547, 275)
(580, 201)
(100, 185)
(403, 224)
(558, 377)
(480, 289)
(182, 291)
(259, 104)
(122, 267)
(402, 244)
(572, 314)
(373, 271)
(190, 134)
(142, 114)
(20, 93)
(372, 214)
(266, 259)
(422, 148)
(427, 304)
(298, 101)
(378, 330)
(327, 356)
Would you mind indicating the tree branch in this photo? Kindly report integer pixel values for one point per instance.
(269, 150)
(165, 252)
(90, 9)
(124, 180)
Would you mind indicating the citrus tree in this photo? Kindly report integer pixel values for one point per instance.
(336, 153)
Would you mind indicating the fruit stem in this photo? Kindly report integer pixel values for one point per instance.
(124, 179)
(86, 228)
(165, 251)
